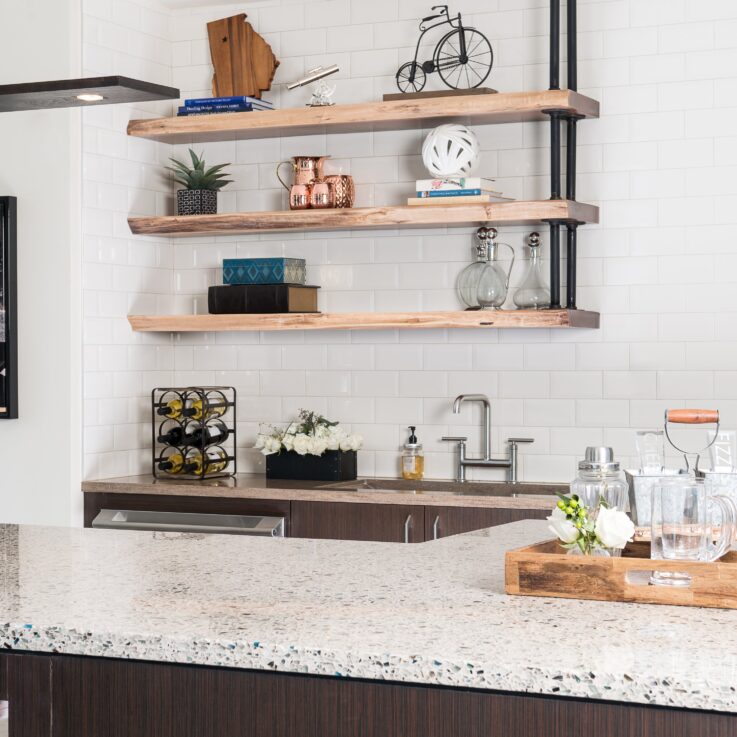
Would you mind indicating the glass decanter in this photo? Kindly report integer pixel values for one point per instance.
(533, 294)
(493, 283)
(468, 280)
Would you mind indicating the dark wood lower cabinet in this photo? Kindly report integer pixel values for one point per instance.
(68, 696)
(326, 520)
(446, 521)
(393, 523)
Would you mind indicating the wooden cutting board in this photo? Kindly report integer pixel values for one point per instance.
(244, 63)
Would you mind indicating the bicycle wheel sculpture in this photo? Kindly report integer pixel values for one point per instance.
(464, 72)
(463, 57)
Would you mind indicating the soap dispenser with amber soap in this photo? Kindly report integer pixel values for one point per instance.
(413, 461)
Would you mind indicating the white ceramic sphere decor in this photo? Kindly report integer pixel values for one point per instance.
(450, 150)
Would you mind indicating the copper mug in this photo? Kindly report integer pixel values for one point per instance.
(322, 195)
(300, 196)
(305, 169)
(344, 189)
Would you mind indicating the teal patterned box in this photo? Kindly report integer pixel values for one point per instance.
(277, 270)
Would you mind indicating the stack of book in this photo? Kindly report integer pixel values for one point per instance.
(263, 286)
(214, 105)
(456, 191)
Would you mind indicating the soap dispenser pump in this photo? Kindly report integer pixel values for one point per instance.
(413, 461)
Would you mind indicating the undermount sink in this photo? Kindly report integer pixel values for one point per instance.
(468, 488)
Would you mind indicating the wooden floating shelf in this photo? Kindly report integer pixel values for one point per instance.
(503, 107)
(366, 321)
(400, 216)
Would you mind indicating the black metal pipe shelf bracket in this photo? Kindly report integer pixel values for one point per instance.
(555, 153)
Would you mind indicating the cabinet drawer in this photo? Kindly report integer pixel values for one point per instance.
(446, 521)
(348, 521)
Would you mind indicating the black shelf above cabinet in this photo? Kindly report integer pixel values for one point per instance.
(65, 93)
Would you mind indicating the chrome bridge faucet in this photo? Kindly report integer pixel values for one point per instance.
(510, 462)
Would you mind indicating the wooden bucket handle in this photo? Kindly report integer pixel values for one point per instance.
(692, 416)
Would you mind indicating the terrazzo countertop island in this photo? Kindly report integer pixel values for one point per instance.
(366, 626)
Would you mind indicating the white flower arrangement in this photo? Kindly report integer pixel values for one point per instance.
(573, 523)
(312, 434)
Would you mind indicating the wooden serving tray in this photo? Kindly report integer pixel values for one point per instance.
(545, 569)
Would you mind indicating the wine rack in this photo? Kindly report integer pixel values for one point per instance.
(193, 432)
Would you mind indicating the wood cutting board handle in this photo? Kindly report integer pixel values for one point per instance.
(692, 416)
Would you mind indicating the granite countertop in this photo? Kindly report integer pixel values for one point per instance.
(367, 490)
(433, 613)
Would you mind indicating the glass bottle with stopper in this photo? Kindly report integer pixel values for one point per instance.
(533, 293)
(493, 284)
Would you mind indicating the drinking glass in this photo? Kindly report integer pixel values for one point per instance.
(688, 524)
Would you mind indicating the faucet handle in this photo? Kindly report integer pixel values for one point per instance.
(514, 441)
(454, 439)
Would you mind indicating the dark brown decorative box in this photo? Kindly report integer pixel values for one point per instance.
(333, 465)
(238, 299)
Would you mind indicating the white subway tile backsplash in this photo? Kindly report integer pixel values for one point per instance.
(661, 162)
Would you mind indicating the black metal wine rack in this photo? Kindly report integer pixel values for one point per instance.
(193, 432)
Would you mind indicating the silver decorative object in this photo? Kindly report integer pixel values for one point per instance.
(323, 91)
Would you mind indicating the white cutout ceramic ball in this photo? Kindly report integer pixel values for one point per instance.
(450, 150)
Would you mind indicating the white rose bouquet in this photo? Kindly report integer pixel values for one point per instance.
(312, 434)
(606, 532)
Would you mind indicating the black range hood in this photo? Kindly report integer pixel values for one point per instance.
(81, 93)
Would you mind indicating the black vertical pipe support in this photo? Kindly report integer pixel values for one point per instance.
(571, 245)
(555, 176)
(554, 264)
(554, 44)
(572, 45)
(571, 255)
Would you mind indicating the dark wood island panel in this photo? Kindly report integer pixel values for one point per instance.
(70, 696)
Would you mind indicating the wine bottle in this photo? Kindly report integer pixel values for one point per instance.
(172, 464)
(212, 434)
(175, 436)
(212, 461)
(171, 409)
(198, 409)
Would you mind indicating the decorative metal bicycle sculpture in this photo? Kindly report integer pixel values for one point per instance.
(463, 57)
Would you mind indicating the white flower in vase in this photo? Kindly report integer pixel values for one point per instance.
(614, 528)
(561, 527)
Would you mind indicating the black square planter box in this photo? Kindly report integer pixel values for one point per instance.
(333, 465)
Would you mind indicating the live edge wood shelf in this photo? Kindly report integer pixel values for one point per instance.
(401, 216)
(503, 107)
(366, 321)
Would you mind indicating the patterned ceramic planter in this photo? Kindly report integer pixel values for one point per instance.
(332, 465)
(197, 202)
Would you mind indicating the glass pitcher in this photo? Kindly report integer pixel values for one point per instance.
(493, 283)
(533, 293)
(467, 285)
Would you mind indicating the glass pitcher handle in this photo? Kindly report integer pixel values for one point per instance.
(726, 538)
(511, 265)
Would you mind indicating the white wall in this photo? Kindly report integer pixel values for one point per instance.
(123, 274)
(41, 451)
(660, 267)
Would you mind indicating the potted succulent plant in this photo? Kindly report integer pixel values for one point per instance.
(201, 185)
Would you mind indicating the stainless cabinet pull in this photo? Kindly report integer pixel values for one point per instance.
(436, 528)
(407, 525)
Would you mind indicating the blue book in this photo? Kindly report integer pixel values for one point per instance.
(233, 100)
(213, 110)
(208, 108)
(448, 192)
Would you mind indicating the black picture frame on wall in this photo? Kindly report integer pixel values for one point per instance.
(8, 309)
